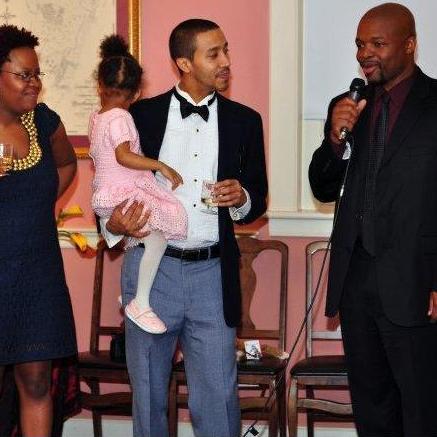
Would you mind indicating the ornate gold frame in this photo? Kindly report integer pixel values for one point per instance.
(134, 16)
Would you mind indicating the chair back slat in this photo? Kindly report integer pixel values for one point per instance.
(311, 250)
(250, 248)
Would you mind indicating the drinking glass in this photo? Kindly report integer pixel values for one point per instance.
(6, 158)
(209, 206)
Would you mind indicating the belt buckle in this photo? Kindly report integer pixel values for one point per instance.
(201, 255)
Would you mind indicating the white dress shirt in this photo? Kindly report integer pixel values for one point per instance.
(190, 146)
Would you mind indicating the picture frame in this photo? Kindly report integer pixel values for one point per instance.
(134, 28)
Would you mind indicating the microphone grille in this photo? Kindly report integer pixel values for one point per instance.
(357, 84)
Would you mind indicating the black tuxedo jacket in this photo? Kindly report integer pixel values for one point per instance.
(405, 205)
(241, 156)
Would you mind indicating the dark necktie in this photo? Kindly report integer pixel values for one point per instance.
(376, 154)
(187, 108)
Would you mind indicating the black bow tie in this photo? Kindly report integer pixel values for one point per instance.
(188, 108)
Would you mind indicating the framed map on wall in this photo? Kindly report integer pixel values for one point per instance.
(69, 35)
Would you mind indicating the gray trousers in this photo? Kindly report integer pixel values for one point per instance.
(187, 296)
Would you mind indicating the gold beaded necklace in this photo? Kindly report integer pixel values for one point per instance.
(35, 152)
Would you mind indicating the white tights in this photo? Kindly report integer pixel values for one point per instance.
(155, 245)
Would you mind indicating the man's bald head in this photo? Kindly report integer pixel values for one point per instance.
(398, 17)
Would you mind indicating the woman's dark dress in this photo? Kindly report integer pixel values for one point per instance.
(36, 320)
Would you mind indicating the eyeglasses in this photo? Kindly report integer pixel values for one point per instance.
(26, 76)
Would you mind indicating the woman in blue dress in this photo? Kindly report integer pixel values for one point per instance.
(36, 320)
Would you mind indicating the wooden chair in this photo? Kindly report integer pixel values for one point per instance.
(257, 379)
(316, 372)
(96, 366)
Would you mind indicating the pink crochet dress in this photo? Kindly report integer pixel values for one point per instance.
(114, 183)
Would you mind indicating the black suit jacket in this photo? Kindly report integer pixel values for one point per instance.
(405, 205)
(241, 156)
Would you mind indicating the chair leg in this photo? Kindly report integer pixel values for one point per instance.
(97, 417)
(292, 408)
(273, 410)
(273, 420)
(282, 402)
(310, 424)
(173, 408)
(97, 424)
(310, 417)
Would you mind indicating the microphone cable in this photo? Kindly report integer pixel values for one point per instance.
(251, 429)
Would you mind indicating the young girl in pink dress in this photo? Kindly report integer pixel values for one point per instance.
(123, 173)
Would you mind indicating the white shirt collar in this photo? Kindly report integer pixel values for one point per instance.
(186, 96)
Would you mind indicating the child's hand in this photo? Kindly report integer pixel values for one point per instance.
(172, 175)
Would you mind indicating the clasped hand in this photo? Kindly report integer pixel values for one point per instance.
(344, 115)
(229, 193)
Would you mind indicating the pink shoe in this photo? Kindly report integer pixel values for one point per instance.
(146, 319)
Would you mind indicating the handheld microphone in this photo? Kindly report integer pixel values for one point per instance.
(355, 91)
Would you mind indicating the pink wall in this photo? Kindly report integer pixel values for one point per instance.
(246, 26)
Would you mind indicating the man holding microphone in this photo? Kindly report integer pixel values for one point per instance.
(383, 270)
